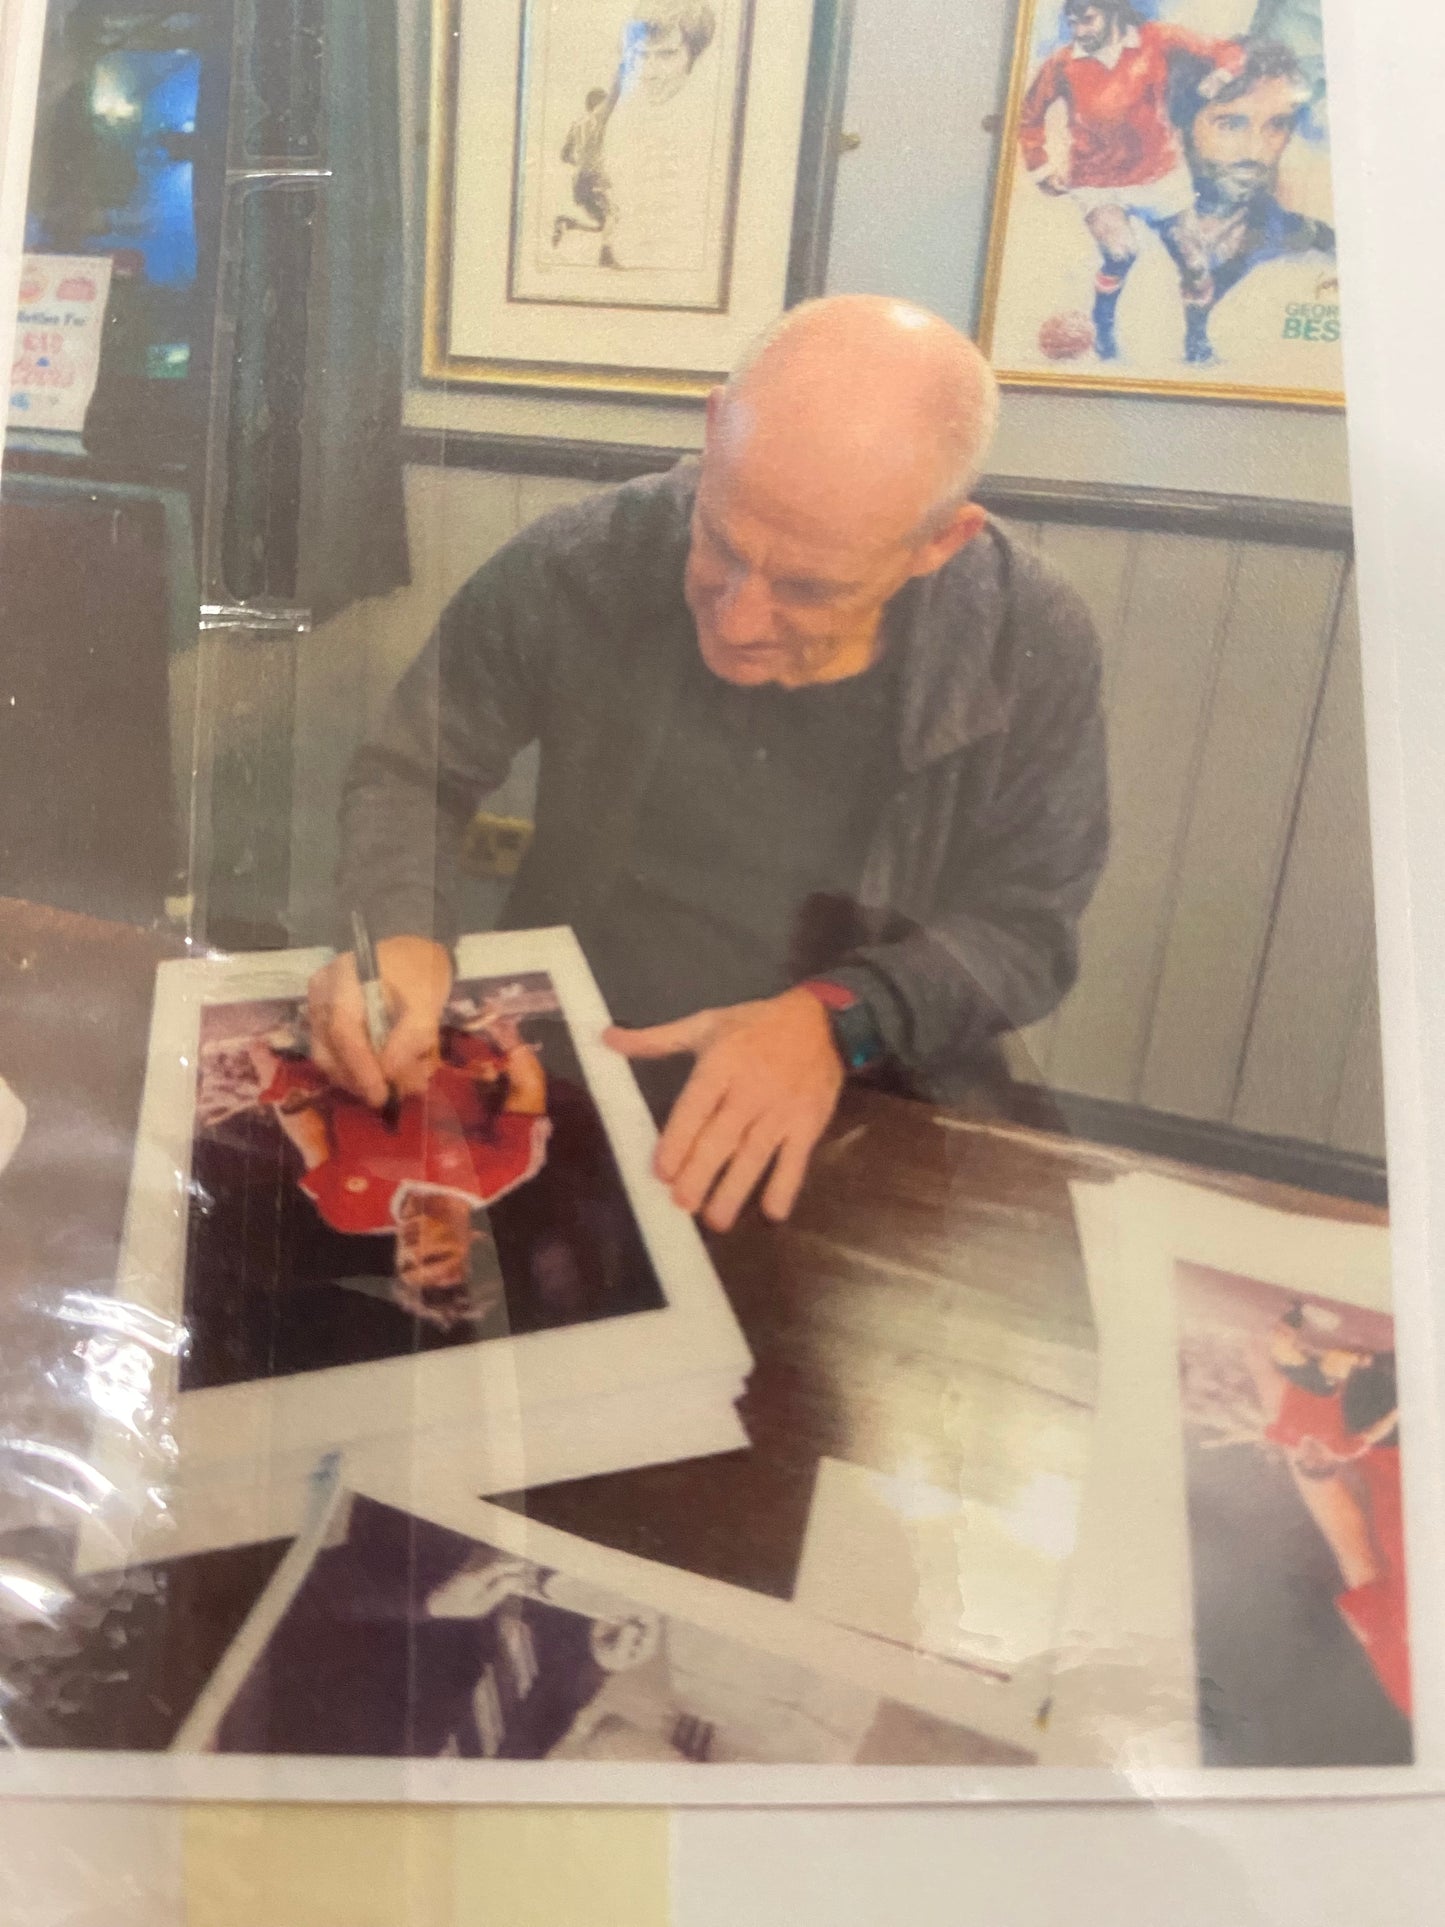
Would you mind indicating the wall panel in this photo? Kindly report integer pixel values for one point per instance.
(1162, 659)
(1321, 941)
(1248, 760)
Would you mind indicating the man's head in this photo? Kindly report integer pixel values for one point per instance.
(661, 42)
(1092, 24)
(838, 465)
(446, 1270)
(1235, 140)
(617, 1645)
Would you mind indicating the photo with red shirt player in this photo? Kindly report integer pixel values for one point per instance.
(422, 1169)
(1337, 1423)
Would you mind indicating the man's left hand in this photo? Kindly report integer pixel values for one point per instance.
(765, 1084)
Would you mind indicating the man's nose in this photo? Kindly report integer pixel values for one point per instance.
(744, 612)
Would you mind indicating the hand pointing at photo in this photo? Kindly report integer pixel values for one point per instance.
(761, 1094)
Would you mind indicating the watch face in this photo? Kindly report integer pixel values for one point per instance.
(856, 1035)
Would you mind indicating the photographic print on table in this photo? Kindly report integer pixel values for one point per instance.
(1163, 219)
(628, 142)
(494, 1254)
(384, 1635)
(1296, 1525)
(324, 1233)
(622, 194)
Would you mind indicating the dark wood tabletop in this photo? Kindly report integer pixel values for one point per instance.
(925, 1309)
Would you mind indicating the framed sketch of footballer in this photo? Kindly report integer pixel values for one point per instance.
(1162, 219)
(622, 194)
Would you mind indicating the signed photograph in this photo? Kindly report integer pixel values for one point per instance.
(324, 1233)
(486, 1280)
(1163, 217)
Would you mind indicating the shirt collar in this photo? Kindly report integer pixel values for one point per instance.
(1130, 40)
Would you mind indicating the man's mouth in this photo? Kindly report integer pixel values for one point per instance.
(1244, 178)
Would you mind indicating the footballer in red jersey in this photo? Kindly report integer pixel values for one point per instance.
(1337, 1421)
(423, 1168)
(1125, 160)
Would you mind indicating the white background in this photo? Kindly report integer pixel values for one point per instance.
(1207, 1866)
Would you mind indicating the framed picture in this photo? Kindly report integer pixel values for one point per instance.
(1163, 221)
(489, 1274)
(622, 194)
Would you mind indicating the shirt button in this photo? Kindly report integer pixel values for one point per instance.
(357, 1184)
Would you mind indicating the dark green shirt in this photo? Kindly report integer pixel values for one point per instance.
(749, 843)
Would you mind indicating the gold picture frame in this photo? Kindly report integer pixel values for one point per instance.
(1035, 323)
(776, 73)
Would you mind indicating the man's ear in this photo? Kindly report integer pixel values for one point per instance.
(962, 526)
(714, 410)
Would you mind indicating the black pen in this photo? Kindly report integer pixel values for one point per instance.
(373, 991)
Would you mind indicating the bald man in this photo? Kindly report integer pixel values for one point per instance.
(821, 782)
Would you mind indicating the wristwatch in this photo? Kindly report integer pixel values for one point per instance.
(855, 1029)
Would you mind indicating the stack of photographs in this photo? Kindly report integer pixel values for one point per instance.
(487, 1284)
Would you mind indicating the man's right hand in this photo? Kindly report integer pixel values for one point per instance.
(417, 976)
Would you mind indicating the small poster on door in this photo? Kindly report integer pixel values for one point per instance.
(58, 335)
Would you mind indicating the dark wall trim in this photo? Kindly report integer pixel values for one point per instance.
(1227, 518)
(1187, 1140)
(104, 471)
(535, 455)
(1176, 511)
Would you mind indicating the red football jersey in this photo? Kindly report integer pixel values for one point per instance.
(1311, 1415)
(1120, 133)
(447, 1139)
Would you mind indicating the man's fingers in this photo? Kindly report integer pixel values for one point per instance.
(738, 1181)
(788, 1174)
(701, 1095)
(324, 1058)
(663, 1040)
(412, 1053)
(340, 1045)
(715, 1146)
(337, 1023)
(356, 1065)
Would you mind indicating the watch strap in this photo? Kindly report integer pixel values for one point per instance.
(856, 1035)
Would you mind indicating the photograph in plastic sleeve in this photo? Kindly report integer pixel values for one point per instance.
(322, 1232)
(880, 1287)
(1296, 1525)
(403, 1639)
(487, 1275)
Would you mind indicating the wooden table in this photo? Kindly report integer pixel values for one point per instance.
(925, 1309)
